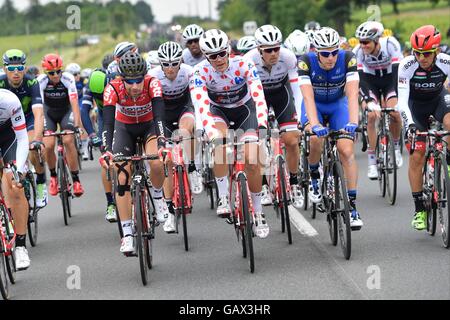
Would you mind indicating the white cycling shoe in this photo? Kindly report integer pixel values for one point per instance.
(260, 227)
(398, 158)
(22, 259)
(266, 197)
(127, 244)
(223, 207)
(169, 226)
(162, 212)
(298, 200)
(196, 181)
(372, 172)
(315, 196)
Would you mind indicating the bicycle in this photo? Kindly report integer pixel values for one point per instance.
(79, 147)
(436, 182)
(385, 156)
(303, 170)
(7, 240)
(143, 222)
(182, 196)
(209, 180)
(63, 173)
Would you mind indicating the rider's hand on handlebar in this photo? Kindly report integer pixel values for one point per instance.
(319, 130)
(106, 159)
(351, 127)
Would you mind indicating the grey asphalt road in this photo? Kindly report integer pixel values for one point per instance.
(389, 259)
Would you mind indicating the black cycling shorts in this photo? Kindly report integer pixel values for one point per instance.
(174, 115)
(125, 136)
(8, 142)
(377, 87)
(54, 117)
(422, 110)
(282, 102)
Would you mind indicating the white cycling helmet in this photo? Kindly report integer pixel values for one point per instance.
(268, 35)
(73, 68)
(370, 30)
(297, 42)
(170, 51)
(86, 73)
(192, 32)
(326, 38)
(152, 59)
(213, 41)
(123, 47)
(312, 25)
(246, 44)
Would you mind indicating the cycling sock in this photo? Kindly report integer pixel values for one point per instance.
(21, 240)
(223, 186)
(264, 180)
(293, 179)
(109, 198)
(418, 201)
(397, 143)
(352, 198)
(40, 178)
(315, 175)
(75, 176)
(371, 157)
(53, 172)
(170, 206)
(256, 200)
(126, 228)
(157, 193)
(191, 167)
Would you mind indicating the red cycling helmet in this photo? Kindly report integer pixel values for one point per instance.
(426, 38)
(52, 61)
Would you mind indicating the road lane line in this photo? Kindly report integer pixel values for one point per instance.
(301, 223)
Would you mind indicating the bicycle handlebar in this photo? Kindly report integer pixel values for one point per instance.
(431, 133)
(57, 134)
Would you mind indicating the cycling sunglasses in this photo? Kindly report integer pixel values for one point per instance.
(15, 67)
(426, 54)
(192, 41)
(270, 50)
(170, 64)
(364, 42)
(133, 81)
(326, 54)
(214, 56)
(52, 73)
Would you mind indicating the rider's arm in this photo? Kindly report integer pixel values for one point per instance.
(257, 92)
(352, 87)
(395, 51)
(86, 106)
(307, 90)
(293, 81)
(158, 106)
(20, 129)
(109, 111)
(69, 82)
(405, 72)
(38, 110)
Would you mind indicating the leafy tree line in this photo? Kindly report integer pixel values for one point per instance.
(113, 17)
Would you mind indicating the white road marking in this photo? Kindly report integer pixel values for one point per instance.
(301, 223)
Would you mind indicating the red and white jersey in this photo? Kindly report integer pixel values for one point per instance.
(11, 115)
(390, 53)
(129, 110)
(58, 95)
(232, 88)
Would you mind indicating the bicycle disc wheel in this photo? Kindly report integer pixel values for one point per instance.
(62, 181)
(140, 234)
(32, 223)
(342, 208)
(284, 197)
(183, 213)
(443, 188)
(379, 155)
(428, 195)
(248, 221)
(390, 170)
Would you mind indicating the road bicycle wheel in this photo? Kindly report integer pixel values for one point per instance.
(443, 188)
(429, 188)
(151, 226)
(182, 202)
(63, 193)
(284, 202)
(327, 189)
(141, 239)
(4, 285)
(79, 146)
(380, 158)
(210, 184)
(9, 258)
(390, 166)
(248, 221)
(304, 178)
(342, 209)
(30, 194)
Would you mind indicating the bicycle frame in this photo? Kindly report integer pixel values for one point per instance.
(178, 161)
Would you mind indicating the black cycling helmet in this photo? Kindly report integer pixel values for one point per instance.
(107, 59)
(445, 48)
(233, 46)
(33, 70)
(14, 56)
(132, 65)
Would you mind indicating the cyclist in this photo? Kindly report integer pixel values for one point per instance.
(93, 96)
(120, 49)
(33, 71)
(152, 59)
(421, 93)
(245, 44)
(107, 59)
(310, 28)
(329, 82)
(277, 69)
(14, 147)
(60, 98)
(229, 90)
(134, 107)
(298, 42)
(378, 59)
(26, 88)
(192, 53)
(175, 78)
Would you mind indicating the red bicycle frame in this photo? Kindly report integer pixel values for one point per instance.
(277, 147)
(9, 245)
(178, 161)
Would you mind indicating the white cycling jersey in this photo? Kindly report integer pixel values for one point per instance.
(11, 110)
(283, 71)
(189, 59)
(177, 89)
(230, 89)
(113, 67)
(390, 53)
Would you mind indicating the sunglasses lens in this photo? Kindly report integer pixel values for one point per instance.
(326, 54)
(270, 50)
(134, 81)
(214, 56)
(13, 68)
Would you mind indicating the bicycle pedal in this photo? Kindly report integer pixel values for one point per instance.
(130, 254)
(229, 220)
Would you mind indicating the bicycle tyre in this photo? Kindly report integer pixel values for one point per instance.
(69, 191)
(78, 146)
(33, 210)
(210, 187)
(248, 223)
(140, 237)
(62, 181)
(284, 198)
(343, 218)
(9, 259)
(380, 166)
(182, 211)
(304, 166)
(4, 285)
(444, 198)
(150, 228)
(428, 192)
(390, 170)
(331, 216)
(114, 190)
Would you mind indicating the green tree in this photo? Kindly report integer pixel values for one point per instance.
(234, 13)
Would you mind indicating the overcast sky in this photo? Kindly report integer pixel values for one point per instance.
(163, 10)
